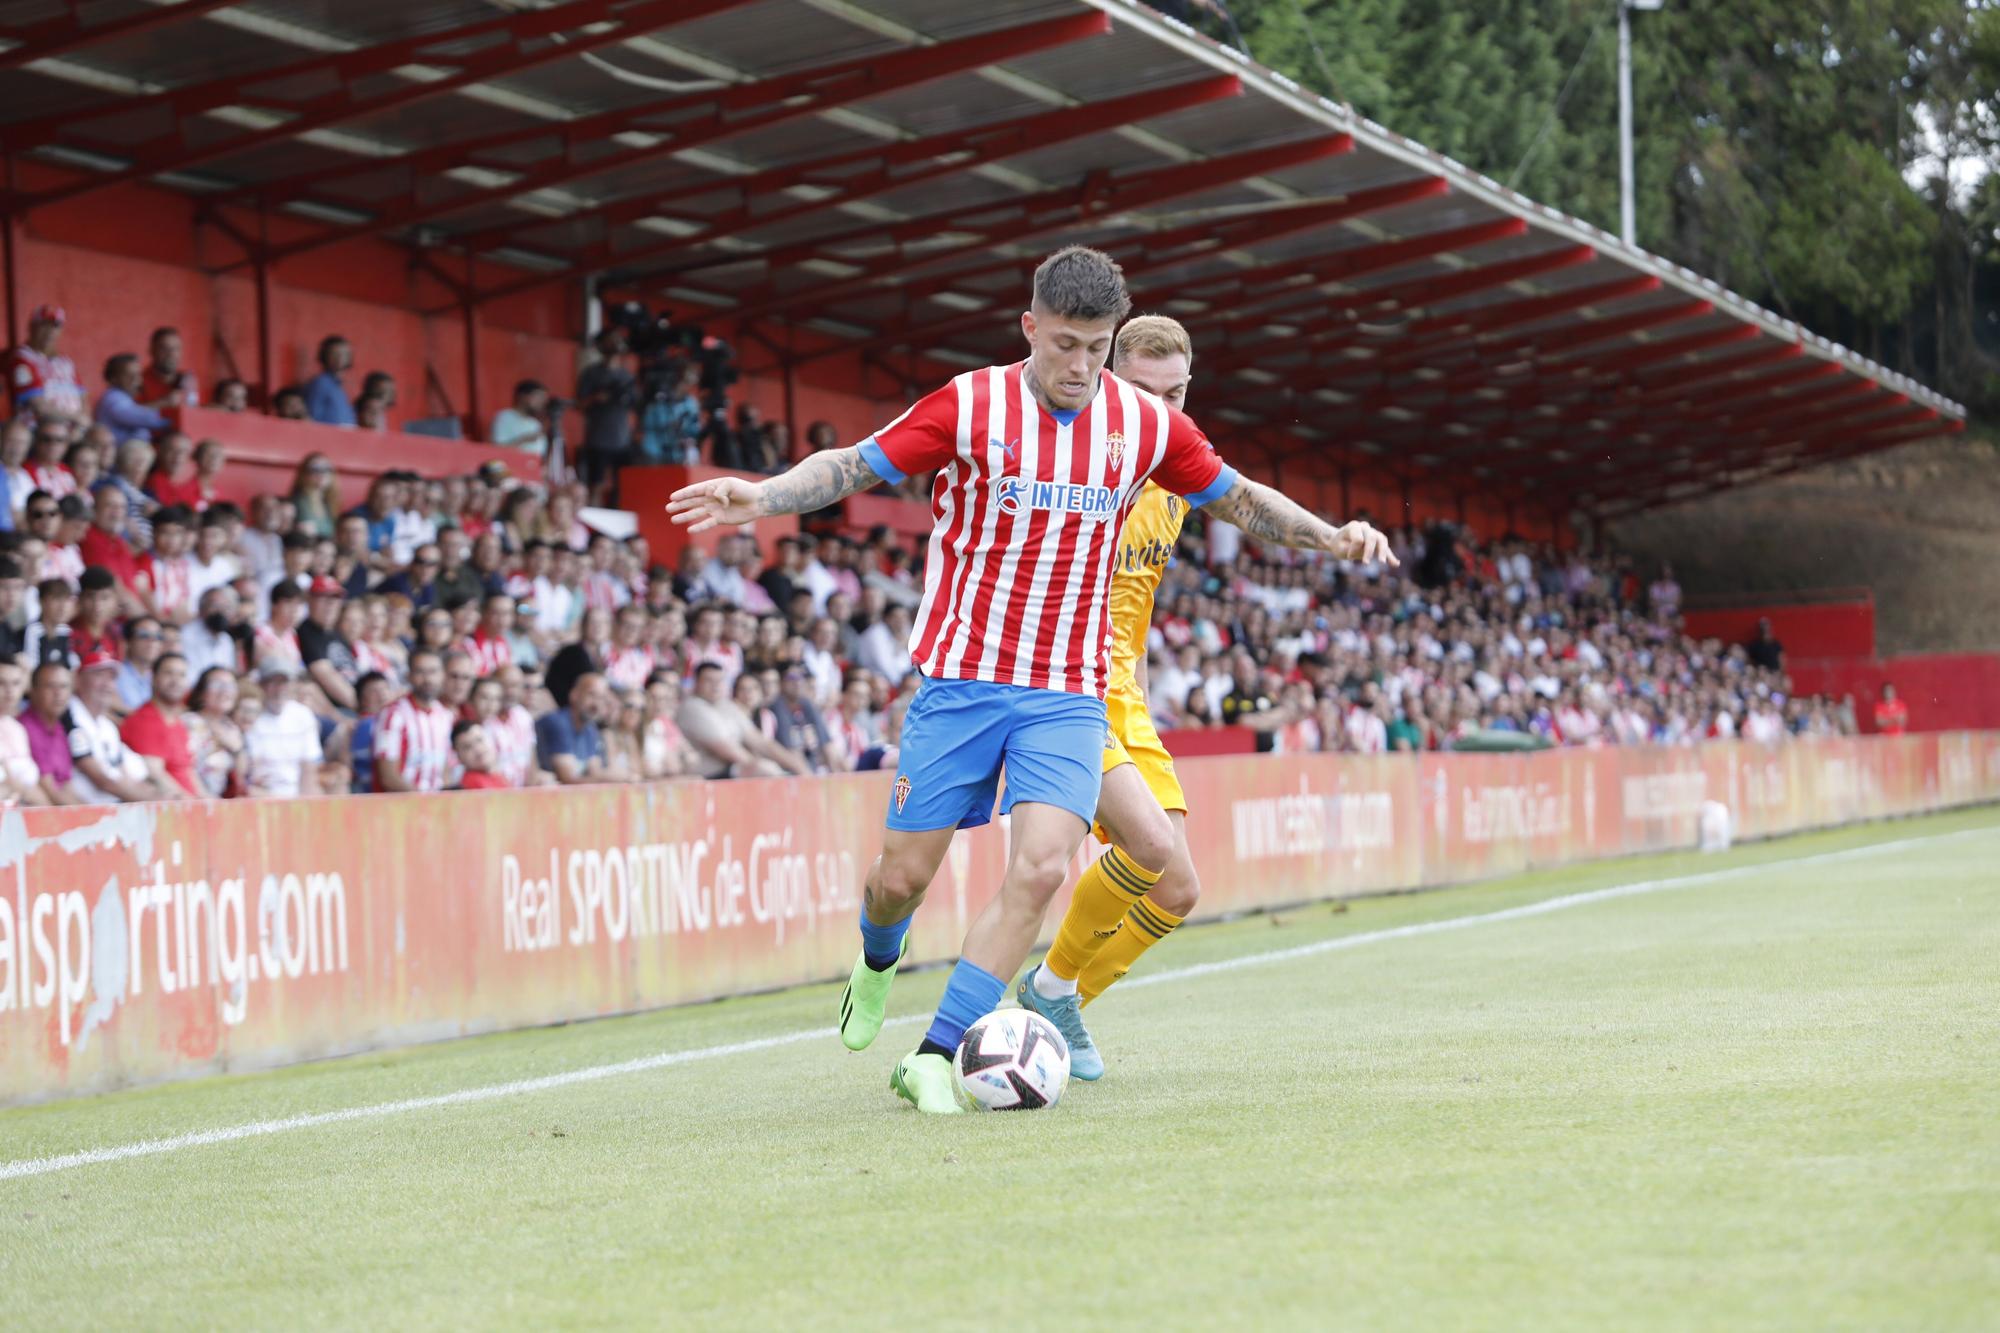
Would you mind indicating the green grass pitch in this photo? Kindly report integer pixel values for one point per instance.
(1762, 1098)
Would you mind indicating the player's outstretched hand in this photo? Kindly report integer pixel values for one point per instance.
(708, 504)
(1362, 542)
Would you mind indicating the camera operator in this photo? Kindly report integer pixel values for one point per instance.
(607, 393)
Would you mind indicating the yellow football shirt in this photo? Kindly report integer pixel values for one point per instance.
(1144, 548)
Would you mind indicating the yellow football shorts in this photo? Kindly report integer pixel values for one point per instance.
(1132, 739)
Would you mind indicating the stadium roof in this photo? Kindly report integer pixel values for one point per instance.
(888, 171)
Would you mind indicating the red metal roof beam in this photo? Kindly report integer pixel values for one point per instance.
(860, 174)
(1426, 337)
(874, 172)
(68, 32)
(516, 41)
(1157, 252)
(711, 116)
(1094, 200)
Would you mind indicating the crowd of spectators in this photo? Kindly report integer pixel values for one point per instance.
(1510, 642)
(157, 642)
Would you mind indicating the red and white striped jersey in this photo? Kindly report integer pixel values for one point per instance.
(170, 581)
(488, 654)
(33, 377)
(1027, 509)
(418, 738)
(628, 668)
(513, 733)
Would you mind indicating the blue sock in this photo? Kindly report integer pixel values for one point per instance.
(970, 995)
(882, 945)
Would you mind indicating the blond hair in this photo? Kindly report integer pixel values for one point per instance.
(1153, 335)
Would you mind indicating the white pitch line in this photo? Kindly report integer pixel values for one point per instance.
(41, 1166)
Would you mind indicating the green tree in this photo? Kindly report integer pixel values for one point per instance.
(1812, 154)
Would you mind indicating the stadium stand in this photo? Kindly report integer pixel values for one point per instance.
(327, 483)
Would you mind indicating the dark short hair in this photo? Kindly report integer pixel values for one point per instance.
(298, 539)
(460, 727)
(1077, 282)
(421, 651)
(289, 391)
(113, 364)
(97, 579)
(10, 568)
(326, 344)
(35, 678)
(72, 506)
(51, 588)
(529, 386)
(707, 666)
(284, 590)
(368, 678)
(165, 658)
(162, 332)
(215, 516)
(179, 516)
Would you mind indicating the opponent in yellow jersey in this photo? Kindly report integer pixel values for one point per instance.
(1143, 554)
(1122, 906)
(1144, 885)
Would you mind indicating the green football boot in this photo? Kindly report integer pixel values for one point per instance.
(865, 1001)
(925, 1081)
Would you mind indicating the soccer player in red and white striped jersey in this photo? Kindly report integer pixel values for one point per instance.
(1038, 465)
(413, 735)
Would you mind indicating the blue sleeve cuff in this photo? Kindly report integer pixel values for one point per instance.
(1215, 490)
(872, 455)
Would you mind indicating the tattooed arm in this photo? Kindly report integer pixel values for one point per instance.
(815, 483)
(1269, 516)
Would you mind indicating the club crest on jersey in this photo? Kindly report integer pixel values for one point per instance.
(1114, 452)
(1013, 494)
(902, 791)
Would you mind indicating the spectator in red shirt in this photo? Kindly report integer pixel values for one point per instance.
(174, 480)
(167, 383)
(475, 751)
(104, 545)
(1892, 715)
(158, 729)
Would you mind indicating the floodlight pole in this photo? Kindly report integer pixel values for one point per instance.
(1627, 228)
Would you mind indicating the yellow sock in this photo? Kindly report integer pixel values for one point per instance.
(1103, 895)
(1144, 926)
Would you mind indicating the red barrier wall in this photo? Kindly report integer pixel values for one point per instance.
(1843, 628)
(1945, 691)
(264, 453)
(1190, 742)
(140, 943)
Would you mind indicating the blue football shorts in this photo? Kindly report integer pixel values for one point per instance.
(959, 734)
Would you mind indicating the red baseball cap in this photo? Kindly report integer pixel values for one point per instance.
(322, 586)
(97, 658)
(47, 313)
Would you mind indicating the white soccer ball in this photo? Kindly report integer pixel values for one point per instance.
(1011, 1060)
